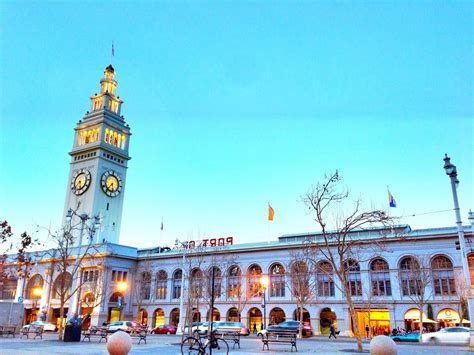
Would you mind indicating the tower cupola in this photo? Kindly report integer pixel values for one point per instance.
(107, 100)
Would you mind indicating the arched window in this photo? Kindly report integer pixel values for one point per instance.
(300, 279)
(177, 283)
(354, 282)
(145, 286)
(470, 260)
(161, 284)
(35, 287)
(380, 278)
(253, 281)
(234, 281)
(62, 285)
(410, 276)
(325, 279)
(195, 284)
(277, 280)
(217, 282)
(443, 276)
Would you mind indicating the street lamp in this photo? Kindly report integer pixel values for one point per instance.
(38, 292)
(122, 287)
(264, 284)
(451, 171)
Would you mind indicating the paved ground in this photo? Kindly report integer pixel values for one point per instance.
(169, 345)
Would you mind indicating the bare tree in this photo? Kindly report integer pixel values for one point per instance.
(301, 281)
(142, 285)
(67, 259)
(415, 279)
(239, 289)
(462, 292)
(339, 245)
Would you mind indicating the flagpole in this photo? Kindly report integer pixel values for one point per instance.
(112, 53)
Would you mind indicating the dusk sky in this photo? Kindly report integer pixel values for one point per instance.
(233, 105)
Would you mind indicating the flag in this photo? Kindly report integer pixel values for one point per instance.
(161, 224)
(391, 200)
(271, 212)
(113, 51)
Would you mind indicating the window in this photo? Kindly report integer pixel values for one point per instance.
(354, 282)
(443, 276)
(161, 284)
(325, 279)
(470, 261)
(277, 281)
(145, 286)
(300, 276)
(177, 283)
(217, 282)
(195, 286)
(410, 276)
(380, 278)
(114, 275)
(234, 282)
(253, 281)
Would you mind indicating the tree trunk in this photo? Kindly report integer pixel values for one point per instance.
(421, 321)
(61, 315)
(355, 323)
(301, 322)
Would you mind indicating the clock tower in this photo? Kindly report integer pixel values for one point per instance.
(99, 160)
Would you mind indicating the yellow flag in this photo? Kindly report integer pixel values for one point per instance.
(271, 212)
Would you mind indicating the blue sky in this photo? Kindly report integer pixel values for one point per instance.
(236, 104)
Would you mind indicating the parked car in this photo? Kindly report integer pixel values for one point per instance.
(164, 329)
(125, 326)
(47, 327)
(452, 335)
(233, 326)
(406, 338)
(289, 325)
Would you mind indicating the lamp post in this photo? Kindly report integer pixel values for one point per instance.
(122, 287)
(451, 171)
(264, 284)
(74, 306)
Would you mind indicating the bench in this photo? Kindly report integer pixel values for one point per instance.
(139, 333)
(279, 336)
(229, 334)
(7, 330)
(37, 331)
(95, 332)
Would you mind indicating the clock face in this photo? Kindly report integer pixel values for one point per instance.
(80, 181)
(111, 183)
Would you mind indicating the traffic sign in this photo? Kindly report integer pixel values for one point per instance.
(20, 299)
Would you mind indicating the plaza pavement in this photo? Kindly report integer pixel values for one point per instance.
(169, 345)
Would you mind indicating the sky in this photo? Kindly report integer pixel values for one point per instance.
(236, 104)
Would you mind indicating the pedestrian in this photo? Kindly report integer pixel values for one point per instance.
(367, 329)
(333, 332)
(255, 327)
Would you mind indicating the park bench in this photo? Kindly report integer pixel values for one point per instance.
(279, 336)
(95, 332)
(229, 334)
(7, 330)
(139, 333)
(37, 331)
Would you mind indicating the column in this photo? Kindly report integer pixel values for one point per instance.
(20, 284)
(74, 300)
(44, 302)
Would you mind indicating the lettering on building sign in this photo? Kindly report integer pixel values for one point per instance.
(212, 242)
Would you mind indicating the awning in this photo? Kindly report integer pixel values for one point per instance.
(466, 321)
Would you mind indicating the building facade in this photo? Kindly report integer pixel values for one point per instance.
(157, 285)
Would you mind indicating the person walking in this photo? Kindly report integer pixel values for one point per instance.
(333, 332)
(367, 329)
